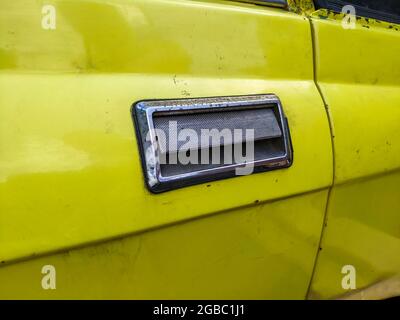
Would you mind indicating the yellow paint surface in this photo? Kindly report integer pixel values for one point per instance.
(358, 71)
(261, 252)
(70, 170)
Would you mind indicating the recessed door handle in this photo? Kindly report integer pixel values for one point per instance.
(203, 127)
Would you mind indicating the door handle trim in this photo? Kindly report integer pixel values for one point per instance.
(143, 114)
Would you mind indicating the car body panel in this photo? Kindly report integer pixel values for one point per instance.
(71, 173)
(362, 93)
(256, 252)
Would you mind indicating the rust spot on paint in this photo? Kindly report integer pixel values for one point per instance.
(325, 14)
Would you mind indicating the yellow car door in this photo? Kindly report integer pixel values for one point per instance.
(358, 73)
(73, 197)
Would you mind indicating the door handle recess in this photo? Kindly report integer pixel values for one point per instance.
(189, 141)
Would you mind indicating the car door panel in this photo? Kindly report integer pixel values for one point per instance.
(71, 172)
(257, 252)
(358, 72)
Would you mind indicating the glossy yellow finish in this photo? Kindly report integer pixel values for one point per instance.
(358, 72)
(70, 170)
(240, 254)
(156, 37)
(363, 231)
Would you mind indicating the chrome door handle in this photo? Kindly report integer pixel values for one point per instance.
(169, 131)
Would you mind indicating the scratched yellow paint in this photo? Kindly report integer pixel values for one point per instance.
(70, 169)
(360, 21)
(306, 7)
(70, 178)
(358, 73)
(301, 6)
(239, 254)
